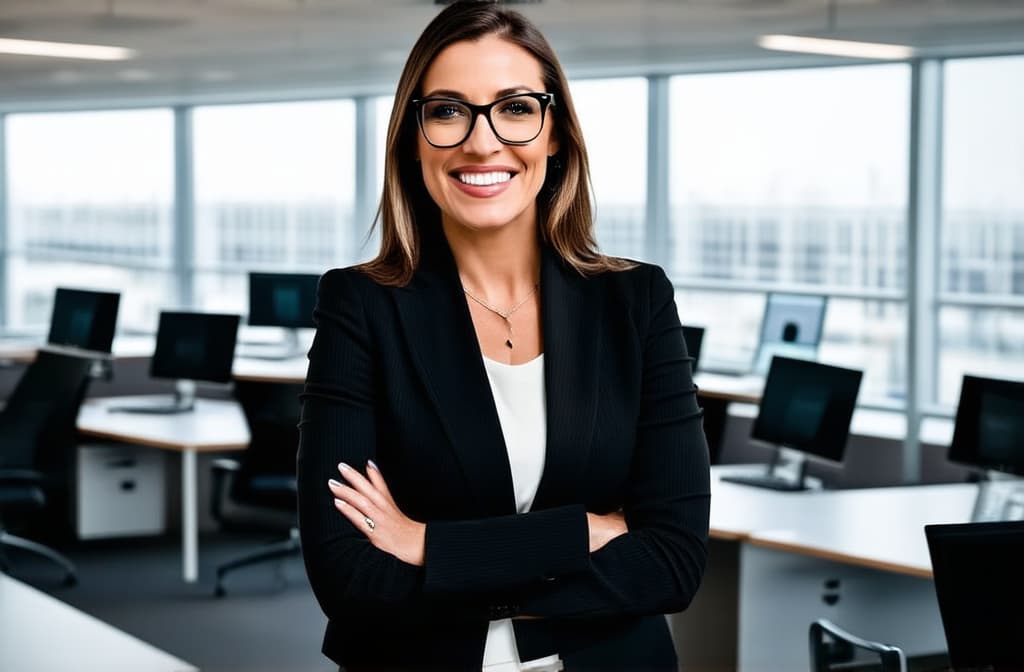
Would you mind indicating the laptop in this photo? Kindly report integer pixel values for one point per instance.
(979, 583)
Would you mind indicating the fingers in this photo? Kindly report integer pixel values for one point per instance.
(361, 484)
(373, 473)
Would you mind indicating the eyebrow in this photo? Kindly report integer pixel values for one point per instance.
(449, 93)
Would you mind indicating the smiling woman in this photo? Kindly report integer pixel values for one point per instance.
(501, 464)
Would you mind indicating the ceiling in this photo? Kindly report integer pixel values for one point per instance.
(196, 50)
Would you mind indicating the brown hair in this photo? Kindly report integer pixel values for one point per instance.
(563, 204)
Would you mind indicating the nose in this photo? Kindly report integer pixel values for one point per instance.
(481, 140)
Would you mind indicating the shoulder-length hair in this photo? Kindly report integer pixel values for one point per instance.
(565, 214)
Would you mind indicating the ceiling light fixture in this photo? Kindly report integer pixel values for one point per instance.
(65, 50)
(831, 47)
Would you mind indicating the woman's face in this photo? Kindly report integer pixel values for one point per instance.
(484, 184)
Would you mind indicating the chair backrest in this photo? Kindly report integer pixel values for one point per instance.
(834, 648)
(979, 582)
(267, 473)
(38, 423)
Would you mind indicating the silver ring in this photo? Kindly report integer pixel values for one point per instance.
(369, 523)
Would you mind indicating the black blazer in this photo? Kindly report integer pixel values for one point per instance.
(396, 375)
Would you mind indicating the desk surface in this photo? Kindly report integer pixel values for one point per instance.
(882, 528)
(41, 633)
(212, 425)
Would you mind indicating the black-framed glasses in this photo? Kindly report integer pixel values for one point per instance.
(516, 119)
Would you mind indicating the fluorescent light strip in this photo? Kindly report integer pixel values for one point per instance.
(65, 50)
(819, 45)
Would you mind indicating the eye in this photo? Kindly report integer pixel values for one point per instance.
(443, 111)
(517, 108)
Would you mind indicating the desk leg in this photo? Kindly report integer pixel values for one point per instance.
(189, 517)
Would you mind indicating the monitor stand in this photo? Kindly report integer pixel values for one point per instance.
(184, 401)
(289, 349)
(776, 481)
(1000, 497)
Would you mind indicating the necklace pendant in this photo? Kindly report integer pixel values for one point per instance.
(508, 343)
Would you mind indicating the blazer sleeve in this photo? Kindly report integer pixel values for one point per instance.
(657, 566)
(338, 423)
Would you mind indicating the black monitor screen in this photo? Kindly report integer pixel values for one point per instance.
(977, 570)
(84, 319)
(807, 406)
(195, 346)
(694, 337)
(793, 318)
(989, 430)
(282, 299)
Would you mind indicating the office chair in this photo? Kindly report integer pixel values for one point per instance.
(258, 489)
(37, 437)
(833, 648)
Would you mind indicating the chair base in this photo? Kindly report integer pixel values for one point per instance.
(70, 577)
(280, 549)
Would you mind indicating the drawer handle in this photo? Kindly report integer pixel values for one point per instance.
(127, 486)
(124, 463)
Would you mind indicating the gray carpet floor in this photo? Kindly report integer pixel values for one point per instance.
(268, 621)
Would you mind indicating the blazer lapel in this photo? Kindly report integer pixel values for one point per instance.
(572, 319)
(440, 335)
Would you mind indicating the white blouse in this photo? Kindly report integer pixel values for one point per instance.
(519, 398)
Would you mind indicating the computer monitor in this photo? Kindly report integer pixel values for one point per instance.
(980, 591)
(694, 337)
(190, 347)
(989, 428)
(84, 319)
(805, 406)
(282, 300)
(791, 327)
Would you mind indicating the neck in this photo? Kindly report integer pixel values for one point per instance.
(502, 265)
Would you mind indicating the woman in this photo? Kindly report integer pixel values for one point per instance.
(501, 462)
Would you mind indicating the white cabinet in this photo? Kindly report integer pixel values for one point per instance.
(121, 491)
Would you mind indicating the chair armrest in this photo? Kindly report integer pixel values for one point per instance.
(223, 470)
(226, 464)
(21, 476)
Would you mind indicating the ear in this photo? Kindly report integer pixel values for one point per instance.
(553, 145)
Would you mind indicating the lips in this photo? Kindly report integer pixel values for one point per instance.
(482, 181)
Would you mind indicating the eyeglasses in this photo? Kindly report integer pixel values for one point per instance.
(516, 119)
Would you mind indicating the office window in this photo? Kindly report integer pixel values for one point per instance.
(981, 274)
(613, 114)
(90, 205)
(274, 191)
(795, 179)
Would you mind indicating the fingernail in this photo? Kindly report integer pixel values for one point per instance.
(343, 467)
(373, 465)
(335, 483)
(340, 502)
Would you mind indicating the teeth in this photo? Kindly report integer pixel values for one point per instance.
(485, 179)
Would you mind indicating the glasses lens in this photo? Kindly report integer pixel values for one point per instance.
(517, 119)
(445, 122)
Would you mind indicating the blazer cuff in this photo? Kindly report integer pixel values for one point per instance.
(507, 551)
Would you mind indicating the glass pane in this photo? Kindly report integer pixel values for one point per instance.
(980, 341)
(983, 178)
(613, 114)
(796, 177)
(275, 191)
(90, 205)
(731, 321)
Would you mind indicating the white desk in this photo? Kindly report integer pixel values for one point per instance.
(213, 425)
(39, 633)
(781, 560)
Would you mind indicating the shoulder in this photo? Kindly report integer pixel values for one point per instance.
(349, 282)
(642, 283)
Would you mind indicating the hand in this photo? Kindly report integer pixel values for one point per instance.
(368, 504)
(605, 528)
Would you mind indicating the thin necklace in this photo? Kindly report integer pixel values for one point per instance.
(504, 314)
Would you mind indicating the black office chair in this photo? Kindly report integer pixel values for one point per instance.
(833, 648)
(37, 437)
(258, 489)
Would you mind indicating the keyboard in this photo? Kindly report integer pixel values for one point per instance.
(766, 481)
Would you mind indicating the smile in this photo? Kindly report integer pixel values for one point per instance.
(484, 179)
